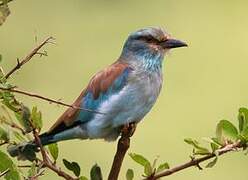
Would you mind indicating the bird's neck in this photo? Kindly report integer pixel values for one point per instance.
(145, 61)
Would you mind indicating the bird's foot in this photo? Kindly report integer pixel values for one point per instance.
(128, 129)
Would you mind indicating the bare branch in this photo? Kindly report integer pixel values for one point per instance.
(47, 99)
(29, 57)
(122, 147)
(196, 161)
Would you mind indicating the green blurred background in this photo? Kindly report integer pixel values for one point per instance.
(203, 83)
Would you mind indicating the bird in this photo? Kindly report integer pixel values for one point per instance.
(122, 93)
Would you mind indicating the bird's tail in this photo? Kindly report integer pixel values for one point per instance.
(27, 150)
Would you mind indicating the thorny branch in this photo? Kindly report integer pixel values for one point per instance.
(35, 51)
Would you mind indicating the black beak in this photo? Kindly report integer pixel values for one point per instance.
(173, 43)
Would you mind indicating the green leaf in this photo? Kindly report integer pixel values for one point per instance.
(6, 163)
(213, 143)
(199, 149)
(96, 173)
(143, 162)
(162, 167)
(148, 169)
(54, 150)
(155, 162)
(76, 168)
(243, 137)
(129, 174)
(212, 163)
(67, 164)
(4, 13)
(226, 131)
(139, 159)
(214, 146)
(36, 118)
(9, 100)
(4, 135)
(243, 119)
(72, 166)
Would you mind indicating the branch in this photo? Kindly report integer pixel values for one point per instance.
(28, 57)
(122, 147)
(47, 162)
(47, 99)
(196, 161)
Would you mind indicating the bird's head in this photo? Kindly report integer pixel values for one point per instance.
(150, 43)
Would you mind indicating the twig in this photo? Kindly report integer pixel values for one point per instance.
(196, 161)
(122, 147)
(47, 99)
(4, 172)
(15, 126)
(28, 57)
(47, 162)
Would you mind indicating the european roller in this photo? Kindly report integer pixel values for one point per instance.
(123, 92)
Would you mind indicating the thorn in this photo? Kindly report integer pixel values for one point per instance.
(18, 63)
(192, 157)
(198, 166)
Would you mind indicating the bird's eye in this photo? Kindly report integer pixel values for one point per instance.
(149, 38)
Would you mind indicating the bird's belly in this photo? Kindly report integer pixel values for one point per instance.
(136, 105)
